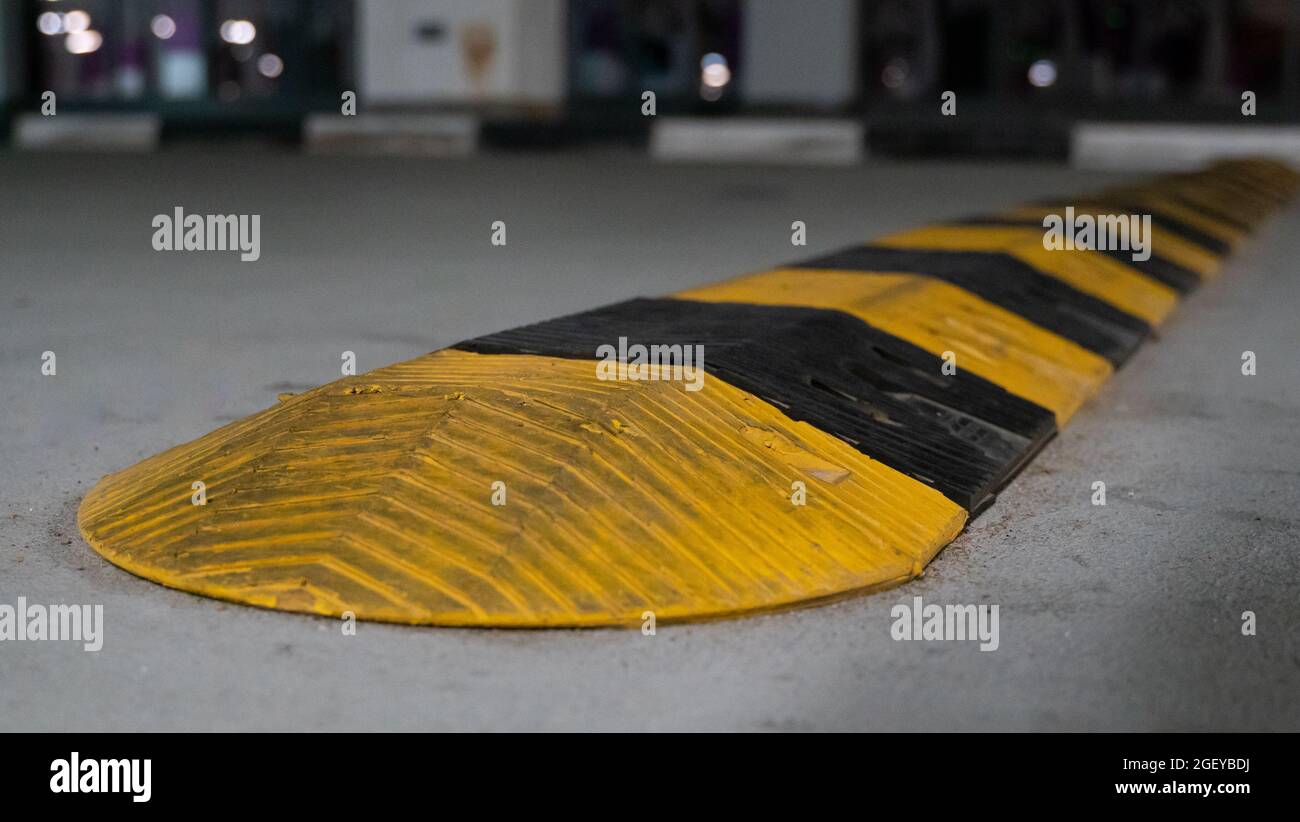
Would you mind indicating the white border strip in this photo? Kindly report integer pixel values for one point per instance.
(1176, 147)
(797, 141)
(87, 132)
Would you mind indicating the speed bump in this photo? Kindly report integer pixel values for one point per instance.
(1005, 281)
(371, 495)
(1103, 277)
(885, 396)
(1180, 263)
(843, 419)
(996, 344)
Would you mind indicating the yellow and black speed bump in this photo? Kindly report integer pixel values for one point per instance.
(1190, 225)
(885, 396)
(1096, 275)
(1158, 268)
(1227, 201)
(1010, 283)
(823, 445)
(1179, 242)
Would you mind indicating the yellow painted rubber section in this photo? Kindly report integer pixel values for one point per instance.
(1170, 246)
(1190, 216)
(373, 495)
(994, 343)
(1088, 271)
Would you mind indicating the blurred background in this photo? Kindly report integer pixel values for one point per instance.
(456, 76)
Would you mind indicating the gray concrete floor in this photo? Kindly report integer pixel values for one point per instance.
(1122, 617)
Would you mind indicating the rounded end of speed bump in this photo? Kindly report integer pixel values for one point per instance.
(373, 495)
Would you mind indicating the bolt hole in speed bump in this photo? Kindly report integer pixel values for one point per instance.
(822, 448)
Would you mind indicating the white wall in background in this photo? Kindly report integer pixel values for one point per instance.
(784, 140)
(803, 53)
(1176, 146)
(525, 62)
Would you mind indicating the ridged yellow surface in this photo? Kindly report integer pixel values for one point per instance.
(994, 343)
(1211, 193)
(1190, 216)
(1092, 273)
(1163, 243)
(373, 494)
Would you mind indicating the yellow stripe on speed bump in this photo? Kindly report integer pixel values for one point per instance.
(1089, 272)
(1165, 243)
(1184, 214)
(1208, 200)
(372, 494)
(992, 342)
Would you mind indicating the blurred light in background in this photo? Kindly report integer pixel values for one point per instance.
(50, 23)
(163, 27)
(202, 63)
(270, 65)
(688, 52)
(1042, 73)
(238, 32)
(75, 21)
(894, 74)
(713, 70)
(84, 41)
(1037, 64)
(714, 76)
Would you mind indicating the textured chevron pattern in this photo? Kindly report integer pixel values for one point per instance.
(1090, 272)
(1170, 245)
(373, 494)
(992, 342)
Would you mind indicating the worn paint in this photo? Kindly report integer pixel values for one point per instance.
(623, 497)
(887, 397)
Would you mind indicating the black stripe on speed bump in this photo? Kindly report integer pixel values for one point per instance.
(1264, 184)
(1010, 284)
(1160, 269)
(1159, 219)
(1209, 210)
(1233, 187)
(960, 434)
